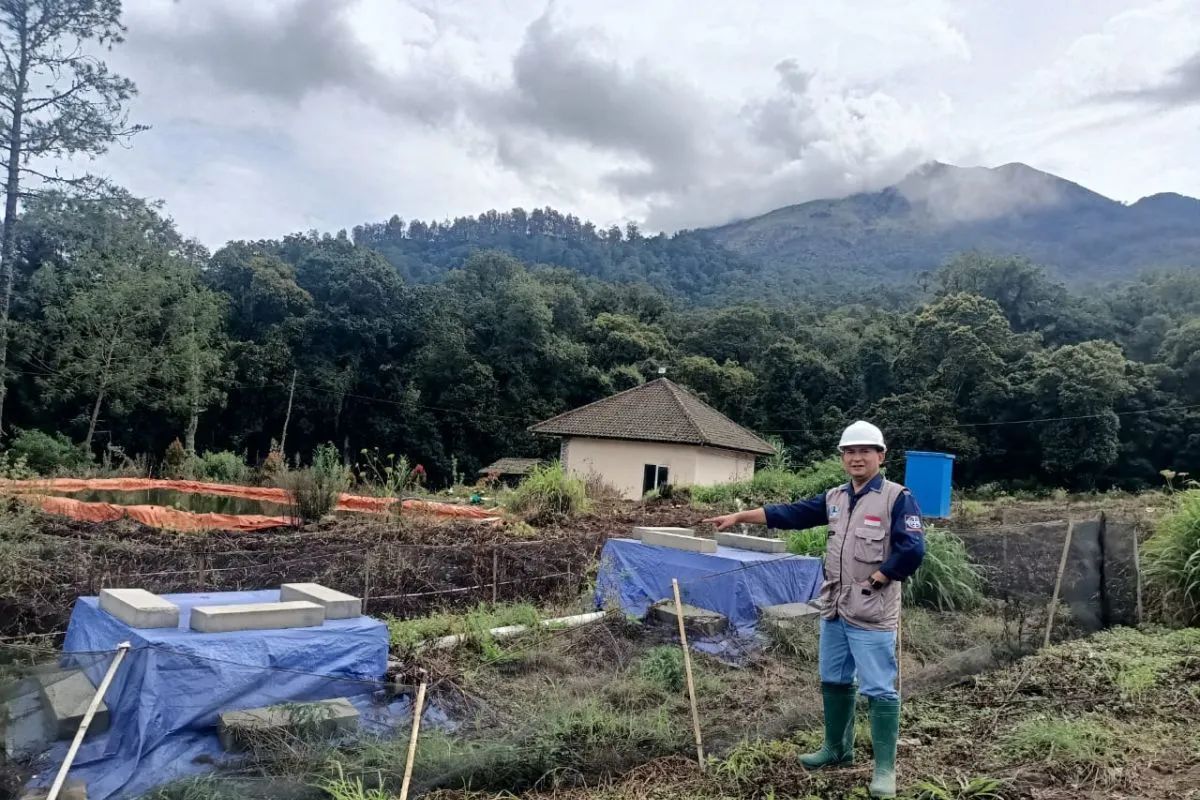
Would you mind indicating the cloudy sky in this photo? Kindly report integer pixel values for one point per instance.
(271, 116)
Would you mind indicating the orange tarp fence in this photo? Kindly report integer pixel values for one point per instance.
(163, 517)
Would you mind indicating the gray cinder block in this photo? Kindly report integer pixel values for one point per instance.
(72, 789)
(698, 621)
(761, 544)
(67, 696)
(790, 611)
(691, 543)
(257, 617)
(138, 608)
(323, 719)
(338, 605)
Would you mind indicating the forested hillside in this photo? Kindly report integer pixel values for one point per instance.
(129, 335)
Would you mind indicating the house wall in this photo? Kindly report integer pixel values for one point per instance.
(622, 463)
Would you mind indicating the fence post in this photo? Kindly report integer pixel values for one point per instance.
(1062, 567)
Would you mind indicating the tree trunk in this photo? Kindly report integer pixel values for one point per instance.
(12, 188)
(189, 436)
(87, 442)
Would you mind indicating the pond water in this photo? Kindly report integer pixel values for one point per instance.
(184, 501)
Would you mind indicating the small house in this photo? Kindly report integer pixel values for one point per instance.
(654, 434)
(509, 471)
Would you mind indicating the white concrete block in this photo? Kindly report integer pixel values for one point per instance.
(257, 617)
(761, 544)
(138, 608)
(790, 611)
(338, 605)
(691, 543)
(640, 530)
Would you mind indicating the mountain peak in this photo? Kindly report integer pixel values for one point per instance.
(947, 194)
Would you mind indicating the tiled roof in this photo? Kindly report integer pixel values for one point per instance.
(658, 411)
(511, 466)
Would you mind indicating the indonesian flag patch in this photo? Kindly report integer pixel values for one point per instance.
(874, 522)
(912, 522)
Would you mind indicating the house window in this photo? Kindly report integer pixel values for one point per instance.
(654, 476)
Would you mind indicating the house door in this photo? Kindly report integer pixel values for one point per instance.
(654, 476)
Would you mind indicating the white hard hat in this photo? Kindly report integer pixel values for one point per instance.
(862, 433)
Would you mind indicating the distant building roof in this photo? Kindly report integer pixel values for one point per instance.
(658, 411)
(511, 466)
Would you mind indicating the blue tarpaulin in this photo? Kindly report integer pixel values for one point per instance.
(733, 582)
(165, 699)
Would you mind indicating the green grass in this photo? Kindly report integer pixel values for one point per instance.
(1171, 561)
(809, 542)
(959, 789)
(773, 485)
(406, 635)
(1078, 742)
(547, 492)
(946, 579)
(663, 667)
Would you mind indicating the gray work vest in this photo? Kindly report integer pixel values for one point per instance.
(858, 544)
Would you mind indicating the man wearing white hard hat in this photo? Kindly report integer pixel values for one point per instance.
(876, 540)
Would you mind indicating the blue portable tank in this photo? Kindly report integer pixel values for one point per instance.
(927, 476)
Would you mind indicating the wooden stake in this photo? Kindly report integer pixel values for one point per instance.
(1062, 567)
(61, 777)
(412, 742)
(495, 574)
(687, 667)
(287, 417)
(366, 580)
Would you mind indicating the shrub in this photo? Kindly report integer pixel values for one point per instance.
(773, 485)
(46, 453)
(1172, 560)
(548, 491)
(314, 491)
(175, 460)
(220, 467)
(946, 579)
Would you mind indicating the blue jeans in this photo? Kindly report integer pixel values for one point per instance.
(846, 650)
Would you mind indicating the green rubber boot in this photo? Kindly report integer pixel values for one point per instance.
(885, 730)
(838, 748)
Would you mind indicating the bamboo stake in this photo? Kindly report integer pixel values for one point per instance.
(1062, 567)
(495, 574)
(687, 667)
(1137, 574)
(61, 778)
(412, 742)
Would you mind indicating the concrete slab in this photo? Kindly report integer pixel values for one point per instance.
(24, 720)
(791, 611)
(761, 544)
(257, 617)
(72, 789)
(319, 720)
(691, 543)
(138, 608)
(696, 621)
(67, 696)
(338, 605)
(640, 530)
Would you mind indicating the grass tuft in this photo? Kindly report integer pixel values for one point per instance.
(946, 579)
(1081, 742)
(1171, 561)
(548, 492)
(663, 667)
(773, 485)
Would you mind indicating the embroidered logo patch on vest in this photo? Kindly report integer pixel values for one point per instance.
(912, 522)
(832, 511)
(874, 522)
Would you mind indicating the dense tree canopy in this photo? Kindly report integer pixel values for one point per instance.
(128, 333)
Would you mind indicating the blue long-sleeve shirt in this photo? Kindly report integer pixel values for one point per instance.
(908, 541)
